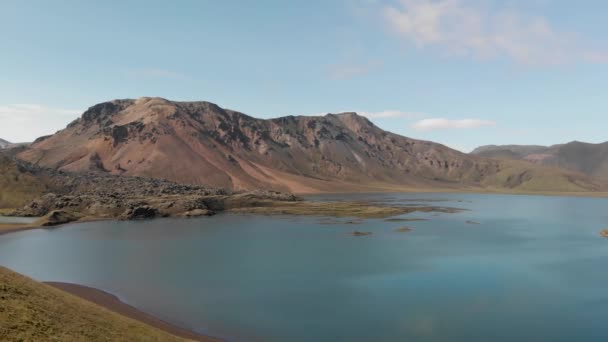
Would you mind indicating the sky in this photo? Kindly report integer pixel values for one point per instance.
(463, 73)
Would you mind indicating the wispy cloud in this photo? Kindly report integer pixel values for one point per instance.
(157, 73)
(440, 123)
(26, 122)
(462, 28)
(347, 71)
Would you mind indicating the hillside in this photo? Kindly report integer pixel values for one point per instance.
(508, 151)
(19, 185)
(32, 311)
(4, 144)
(590, 159)
(202, 143)
(63, 197)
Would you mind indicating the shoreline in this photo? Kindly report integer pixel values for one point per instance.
(114, 304)
(8, 228)
(477, 191)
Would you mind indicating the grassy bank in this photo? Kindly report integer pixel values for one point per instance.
(32, 311)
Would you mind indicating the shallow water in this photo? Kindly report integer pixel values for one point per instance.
(17, 220)
(532, 270)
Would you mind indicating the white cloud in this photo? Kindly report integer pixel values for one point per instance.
(347, 71)
(462, 28)
(440, 123)
(26, 122)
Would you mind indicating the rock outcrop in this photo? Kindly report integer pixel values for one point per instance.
(57, 217)
(41, 191)
(357, 233)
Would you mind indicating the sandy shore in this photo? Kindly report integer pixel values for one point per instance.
(112, 303)
(6, 228)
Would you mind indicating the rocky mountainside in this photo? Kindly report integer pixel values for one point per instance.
(60, 197)
(4, 144)
(201, 143)
(590, 159)
(66, 196)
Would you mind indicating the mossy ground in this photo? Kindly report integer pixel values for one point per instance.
(336, 209)
(32, 311)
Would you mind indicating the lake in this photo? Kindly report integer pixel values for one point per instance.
(533, 269)
(17, 220)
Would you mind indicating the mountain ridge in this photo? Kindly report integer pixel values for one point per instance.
(4, 143)
(202, 143)
(587, 158)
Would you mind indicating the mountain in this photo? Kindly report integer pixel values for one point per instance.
(508, 151)
(202, 143)
(4, 144)
(590, 159)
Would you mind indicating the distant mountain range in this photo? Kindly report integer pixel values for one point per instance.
(590, 159)
(202, 143)
(4, 144)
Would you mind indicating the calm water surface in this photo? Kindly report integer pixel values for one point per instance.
(19, 220)
(534, 269)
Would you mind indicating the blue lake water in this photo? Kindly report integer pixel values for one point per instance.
(534, 269)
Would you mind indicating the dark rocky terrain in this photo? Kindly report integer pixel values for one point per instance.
(60, 197)
(202, 143)
(67, 196)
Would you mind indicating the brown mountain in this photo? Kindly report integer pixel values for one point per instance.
(201, 143)
(590, 159)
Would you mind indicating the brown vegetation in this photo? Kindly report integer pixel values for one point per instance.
(32, 311)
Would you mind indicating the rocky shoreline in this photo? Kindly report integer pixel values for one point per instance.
(67, 197)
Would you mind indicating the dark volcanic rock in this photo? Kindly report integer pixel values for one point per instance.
(102, 195)
(141, 213)
(361, 233)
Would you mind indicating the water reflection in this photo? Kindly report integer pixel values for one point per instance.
(530, 270)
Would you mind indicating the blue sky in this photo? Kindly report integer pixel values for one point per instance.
(460, 72)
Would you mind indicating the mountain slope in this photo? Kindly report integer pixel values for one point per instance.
(590, 159)
(32, 311)
(19, 185)
(199, 142)
(4, 144)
